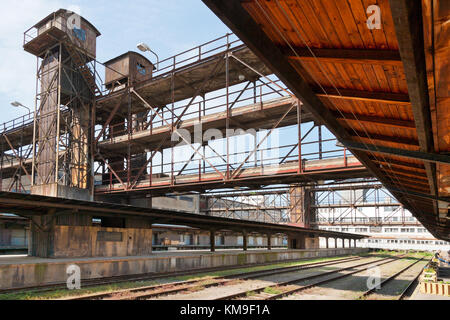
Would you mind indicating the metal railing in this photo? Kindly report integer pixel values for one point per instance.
(266, 158)
(198, 53)
(16, 123)
(213, 103)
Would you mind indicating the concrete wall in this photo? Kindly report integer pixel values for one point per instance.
(87, 241)
(101, 242)
(46, 271)
(55, 190)
(189, 203)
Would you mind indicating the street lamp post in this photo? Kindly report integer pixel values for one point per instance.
(18, 104)
(144, 48)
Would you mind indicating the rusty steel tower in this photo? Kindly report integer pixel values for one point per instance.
(65, 46)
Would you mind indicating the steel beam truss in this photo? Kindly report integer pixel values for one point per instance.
(332, 205)
(265, 206)
(69, 142)
(15, 154)
(182, 155)
(351, 204)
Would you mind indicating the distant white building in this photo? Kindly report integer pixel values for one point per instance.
(388, 224)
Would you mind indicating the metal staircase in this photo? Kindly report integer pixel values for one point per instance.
(84, 65)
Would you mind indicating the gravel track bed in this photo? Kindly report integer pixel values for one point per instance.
(395, 287)
(225, 290)
(348, 288)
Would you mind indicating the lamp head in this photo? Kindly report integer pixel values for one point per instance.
(143, 47)
(16, 104)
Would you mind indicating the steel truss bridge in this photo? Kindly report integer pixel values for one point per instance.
(343, 204)
(208, 98)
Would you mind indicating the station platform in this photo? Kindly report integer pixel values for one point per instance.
(22, 271)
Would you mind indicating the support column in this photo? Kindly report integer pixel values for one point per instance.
(244, 240)
(335, 243)
(212, 240)
(269, 241)
(354, 243)
(327, 244)
(300, 210)
(312, 242)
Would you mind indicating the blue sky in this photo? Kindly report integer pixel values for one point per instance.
(169, 27)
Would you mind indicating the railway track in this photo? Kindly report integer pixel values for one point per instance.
(287, 288)
(87, 283)
(389, 279)
(408, 290)
(153, 291)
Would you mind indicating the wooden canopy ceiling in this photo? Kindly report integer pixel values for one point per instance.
(382, 90)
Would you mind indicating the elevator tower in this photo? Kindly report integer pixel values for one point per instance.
(65, 46)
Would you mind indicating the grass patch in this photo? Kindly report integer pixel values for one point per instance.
(64, 293)
(272, 290)
(250, 293)
(196, 288)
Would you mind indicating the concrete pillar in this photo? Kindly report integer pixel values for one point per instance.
(335, 243)
(244, 241)
(212, 240)
(300, 209)
(312, 242)
(327, 244)
(269, 241)
(354, 243)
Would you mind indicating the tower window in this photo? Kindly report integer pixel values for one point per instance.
(80, 33)
(141, 69)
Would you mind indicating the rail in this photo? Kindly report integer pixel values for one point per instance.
(17, 123)
(214, 103)
(266, 158)
(198, 53)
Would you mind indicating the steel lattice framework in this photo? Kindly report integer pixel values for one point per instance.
(126, 137)
(333, 204)
(347, 205)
